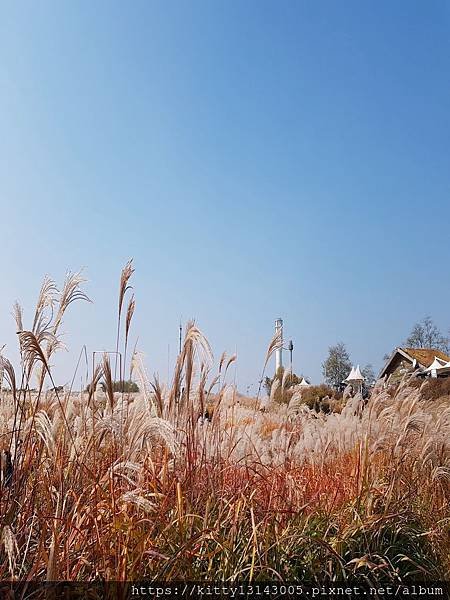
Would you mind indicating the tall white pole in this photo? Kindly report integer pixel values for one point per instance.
(279, 351)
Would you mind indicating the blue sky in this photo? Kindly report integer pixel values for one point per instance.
(257, 159)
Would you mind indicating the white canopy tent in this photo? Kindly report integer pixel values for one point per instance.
(355, 378)
(350, 376)
(438, 367)
(358, 376)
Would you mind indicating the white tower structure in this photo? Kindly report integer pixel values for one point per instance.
(279, 351)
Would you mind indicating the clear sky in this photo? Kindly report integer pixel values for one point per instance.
(257, 159)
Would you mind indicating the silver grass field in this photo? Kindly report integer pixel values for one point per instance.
(188, 479)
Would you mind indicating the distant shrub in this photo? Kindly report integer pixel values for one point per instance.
(322, 398)
(121, 386)
(436, 388)
(284, 381)
(125, 386)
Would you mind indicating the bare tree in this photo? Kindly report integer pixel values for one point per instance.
(368, 374)
(425, 334)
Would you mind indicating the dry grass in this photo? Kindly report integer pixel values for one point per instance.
(133, 486)
(435, 389)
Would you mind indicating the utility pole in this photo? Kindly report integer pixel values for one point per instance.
(290, 348)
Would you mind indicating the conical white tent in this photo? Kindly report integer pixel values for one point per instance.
(304, 383)
(355, 378)
(437, 363)
(350, 376)
(438, 367)
(358, 376)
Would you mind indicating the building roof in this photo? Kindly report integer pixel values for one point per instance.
(424, 357)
